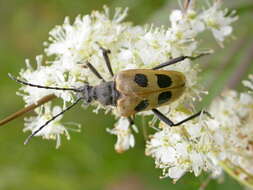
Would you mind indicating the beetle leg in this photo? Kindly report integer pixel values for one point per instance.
(131, 120)
(107, 60)
(178, 59)
(171, 123)
(163, 117)
(95, 72)
(170, 62)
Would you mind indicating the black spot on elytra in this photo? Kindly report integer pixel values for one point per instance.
(142, 105)
(164, 97)
(163, 81)
(141, 80)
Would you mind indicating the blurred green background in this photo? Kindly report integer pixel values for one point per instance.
(89, 161)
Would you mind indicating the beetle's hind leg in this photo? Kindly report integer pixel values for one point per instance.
(131, 120)
(166, 120)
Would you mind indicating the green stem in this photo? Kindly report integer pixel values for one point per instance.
(144, 129)
(235, 172)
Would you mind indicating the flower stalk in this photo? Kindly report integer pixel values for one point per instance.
(238, 173)
(27, 109)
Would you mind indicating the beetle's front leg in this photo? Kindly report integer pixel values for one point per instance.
(106, 53)
(94, 71)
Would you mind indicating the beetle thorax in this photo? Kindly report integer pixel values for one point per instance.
(105, 93)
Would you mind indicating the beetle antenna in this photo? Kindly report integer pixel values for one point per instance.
(40, 86)
(53, 118)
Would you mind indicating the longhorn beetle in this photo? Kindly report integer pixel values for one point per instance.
(131, 91)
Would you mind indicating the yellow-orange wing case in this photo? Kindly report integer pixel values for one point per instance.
(145, 89)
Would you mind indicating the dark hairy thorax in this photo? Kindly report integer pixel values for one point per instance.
(105, 93)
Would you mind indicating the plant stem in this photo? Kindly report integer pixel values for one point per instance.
(27, 109)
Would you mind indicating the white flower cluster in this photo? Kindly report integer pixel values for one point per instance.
(234, 112)
(71, 45)
(54, 130)
(217, 21)
(249, 83)
(209, 144)
(125, 138)
(188, 147)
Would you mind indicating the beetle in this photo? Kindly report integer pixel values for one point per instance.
(130, 91)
